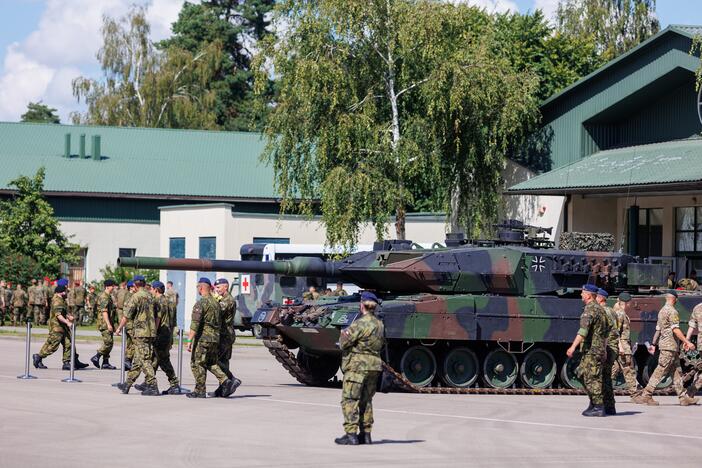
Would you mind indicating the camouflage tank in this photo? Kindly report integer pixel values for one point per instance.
(487, 316)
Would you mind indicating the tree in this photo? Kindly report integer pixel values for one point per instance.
(145, 87)
(38, 112)
(238, 25)
(28, 226)
(17, 268)
(376, 95)
(615, 26)
(120, 274)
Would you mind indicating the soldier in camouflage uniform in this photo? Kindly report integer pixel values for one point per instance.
(667, 330)
(40, 300)
(625, 361)
(91, 302)
(339, 291)
(611, 355)
(227, 335)
(129, 347)
(203, 342)
(695, 324)
(171, 293)
(3, 306)
(30, 300)
(690, 283)
(311, 294)
(19, 306)
(76, 299)
(60, 322)
(106, 320)
(139, 309)
(360, 344)
(48, 292)
(592, 338)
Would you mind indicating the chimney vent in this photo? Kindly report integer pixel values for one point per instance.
(67, 146)
(96, 148)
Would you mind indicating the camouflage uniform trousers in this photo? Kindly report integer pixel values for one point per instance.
(37, 313)
(668, 361)
(89, 316)
(590, 370)
(53, 341)
(357, 401)
(19, 315)
(162, 359)
(625, 365)
(108, 342)
(129, 352)
(607, 384)
(143, 362)
(78, 313)
(225, 355)
(204, 358)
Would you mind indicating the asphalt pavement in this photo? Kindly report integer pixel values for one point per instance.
(274, 421)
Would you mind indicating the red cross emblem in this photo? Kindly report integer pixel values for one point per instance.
(245, 284)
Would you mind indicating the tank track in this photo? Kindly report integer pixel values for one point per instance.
(288, 360)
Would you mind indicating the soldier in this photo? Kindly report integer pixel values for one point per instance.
(592, 335)
(204, 343)
(76, 299)
(611, 355)
(140, 311)
(106, 320)
(360, 344)
(19, 305)
(339, 291)
(8, 301)
(667, 330)
(120, 295)
(227, 335)
(47, 294)
(129, 351)
(690, 283)
(40, 299)
(2, 303)
(31, 300)
(695, 325)
(171, 293)
(60, 322)
(91, 302)
(164, 338)
(670, 283)
(311, 294)
(625, 361)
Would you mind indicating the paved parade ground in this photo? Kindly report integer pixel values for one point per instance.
(273, 421)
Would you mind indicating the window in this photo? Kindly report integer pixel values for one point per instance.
(650, 232)
(208, 247)
(127, 252)
(176, 247)
(688, 229)
(271, 240)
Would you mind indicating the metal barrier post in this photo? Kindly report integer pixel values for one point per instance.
(122, 354)
(180, 362)
(27, 351)
(71, 377)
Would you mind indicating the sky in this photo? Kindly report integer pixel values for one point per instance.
(45, 44)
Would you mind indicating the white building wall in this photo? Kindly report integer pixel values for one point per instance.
(103, 241)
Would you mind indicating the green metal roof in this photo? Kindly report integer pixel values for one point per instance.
(141, 162)
(690, 31)
(673, 165)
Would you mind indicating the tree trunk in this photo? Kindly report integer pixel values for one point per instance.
(454, 208)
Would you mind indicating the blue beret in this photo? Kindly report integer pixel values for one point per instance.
(130, 283)
(158, 284)
(602, 292)
(139, 278)
(590, 288)
(369, 296)
(205, 281)
(221, 281)
(62, 282)
(109, 282)
(59, 289)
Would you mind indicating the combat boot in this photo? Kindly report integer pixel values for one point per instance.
(123, 387)
(595, 411)
(229, 386)
(96, 360)
(364, 438)
(37, 362)
(611, 411)
(150, 391)
(196, 395)
(687, 400)
(216, 394)
(80, 365)
(644, 399)
(106, 365)
(347, 439)
(66, 366)
(172, 390)
(140, 387)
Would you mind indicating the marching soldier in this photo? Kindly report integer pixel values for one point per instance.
(695, 325)
(106, 320)
(140, 311)
(19, 306)
(360, 344)
(204, 343)
(612, 353)
(625, 361)
(227, 335)
(60, 322)
(666, 338)
(592, 339)
(129, 351)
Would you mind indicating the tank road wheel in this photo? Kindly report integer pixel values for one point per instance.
(568, 376)
(539, 369)
(320, 368)
(460, 368)
(418, 365)
(500, 369)
(648, 369)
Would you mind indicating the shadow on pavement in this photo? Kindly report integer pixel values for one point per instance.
(390, 441)
(625, 413)
(246, 396)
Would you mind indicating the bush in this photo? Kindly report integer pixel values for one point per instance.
(18, 268)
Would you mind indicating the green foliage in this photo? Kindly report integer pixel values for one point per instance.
(18, 268)
(237, 25)
(121, 274)
(145, 87)
(28, 226)
(38, 112)
(614, 26)
(380, 101)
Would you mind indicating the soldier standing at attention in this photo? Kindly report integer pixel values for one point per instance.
(8, 301)
(105, 324)
(39, 303)
(667, 330)
(2, 303)
(171, 293)
(48, 292)
(612, 353)
(140, 311)
(60, 322)
(624, 362)
(592, 338)
(695, 324)
(227, 335)
(360, 344)
(203, 342)
(31, 300)
(90, 303)
(77, 299)
(19, 305)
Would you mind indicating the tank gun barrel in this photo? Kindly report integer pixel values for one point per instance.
(298, 266)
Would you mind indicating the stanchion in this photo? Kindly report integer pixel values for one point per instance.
(71, 377)
(180, 362)
(122, 354)
(27, 351)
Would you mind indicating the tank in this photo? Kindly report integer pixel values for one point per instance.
(469, 317)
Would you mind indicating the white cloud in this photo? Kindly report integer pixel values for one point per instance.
(64, 46)
(492, 6)
(549, 8)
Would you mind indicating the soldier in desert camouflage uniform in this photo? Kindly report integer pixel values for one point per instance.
(695, 324)
(360, 344)
(625, 361)
(106, 320)
(611, 355)
(667, 330)
(60, 322)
